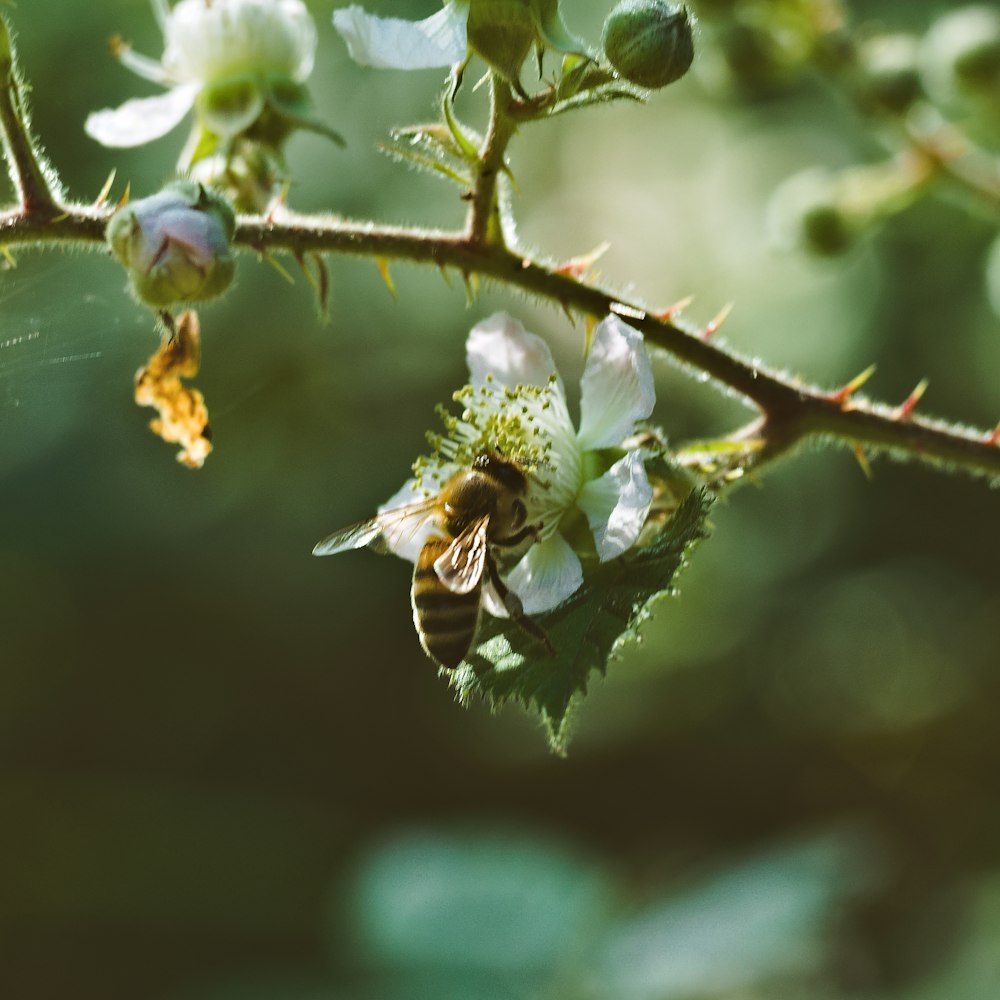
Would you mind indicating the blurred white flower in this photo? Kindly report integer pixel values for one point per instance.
(500, 32)
(206, 42)
(515, 404)
(394, 43)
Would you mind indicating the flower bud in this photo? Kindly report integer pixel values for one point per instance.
(175, 245)
(889, 73)
(962, 54)
(502, 32)
(649, 42)
(808, 212)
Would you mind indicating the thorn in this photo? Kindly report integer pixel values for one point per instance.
(281, 198)
(106, 190)
(275, 263)
(383, 268)
(588, 334)
(564, 305)
(12, 263)
(443, 271)
(577, 267)
(859, 454)
(905, 410)
(843, 394)
(319, 282)
(666, 315)
(994, 438)
(713, 325)
(323, 276)
(471, 282)
(125, 195)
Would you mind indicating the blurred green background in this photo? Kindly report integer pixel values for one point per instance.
(226, 768)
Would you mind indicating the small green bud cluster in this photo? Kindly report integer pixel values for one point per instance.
(761, 47)
(956, 65)
(649, 42)
(175, 245)
(808, 212)
(826, 212)
(961, 56)
(888, 73)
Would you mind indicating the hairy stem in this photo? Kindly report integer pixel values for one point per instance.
(33, 186)
(484, 225)
(791, 411)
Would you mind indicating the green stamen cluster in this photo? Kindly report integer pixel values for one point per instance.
(505, 419)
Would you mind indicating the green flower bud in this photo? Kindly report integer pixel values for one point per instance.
(961, 54)
(889, 77)
(808, 212)
(649, 42)
(175, 245)
(502, 33)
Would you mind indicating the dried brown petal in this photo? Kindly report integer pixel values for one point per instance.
(183, 415)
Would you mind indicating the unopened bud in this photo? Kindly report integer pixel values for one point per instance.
(502, 32)
(649, 42)
(175, 245)
(889, 74)
(807, 212)
(962, 54)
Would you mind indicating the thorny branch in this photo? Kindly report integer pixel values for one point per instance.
(789, 411)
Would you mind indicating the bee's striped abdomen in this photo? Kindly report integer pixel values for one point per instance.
(446, 622)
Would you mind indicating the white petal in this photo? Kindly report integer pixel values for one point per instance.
(500, 346)
(617, 386)
(616, 505)
(392, 43)
(141, 119)
(549, 573)
(405, 536)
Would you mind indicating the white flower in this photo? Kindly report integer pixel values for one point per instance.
(443, 39)
(207, 41)
(515, 404)
(394, 43)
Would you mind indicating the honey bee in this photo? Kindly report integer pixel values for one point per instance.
(478, 510)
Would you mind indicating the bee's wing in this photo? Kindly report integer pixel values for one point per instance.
(399, 522)
(460, 566)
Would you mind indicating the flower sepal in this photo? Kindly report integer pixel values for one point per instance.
(264, 108)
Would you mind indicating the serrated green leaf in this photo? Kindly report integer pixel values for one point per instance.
(587, 630)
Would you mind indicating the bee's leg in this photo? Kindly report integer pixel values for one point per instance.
(513, 605)
(528, 531)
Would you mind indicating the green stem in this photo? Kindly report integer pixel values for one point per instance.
(33, 186)
(484, 225)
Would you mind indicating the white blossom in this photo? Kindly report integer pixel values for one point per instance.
(395, 43)
(205, 42)
(515, 404)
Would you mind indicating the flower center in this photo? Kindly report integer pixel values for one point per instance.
(528, 424)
